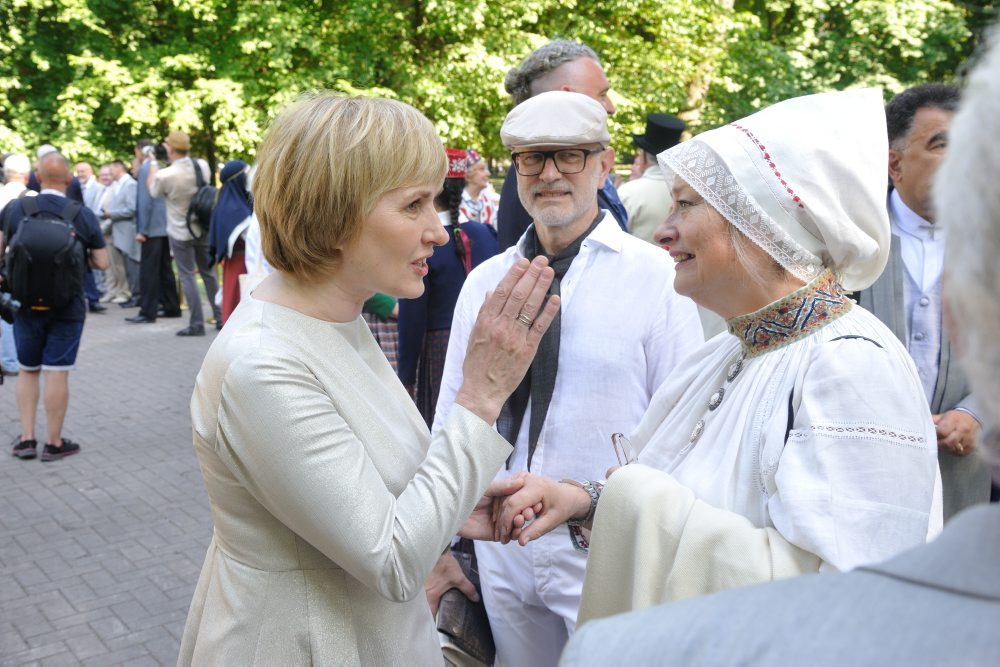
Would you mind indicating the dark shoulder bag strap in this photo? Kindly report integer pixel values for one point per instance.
(70, 211)
(199, 177)
(30, 206)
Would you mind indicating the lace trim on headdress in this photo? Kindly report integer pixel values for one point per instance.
(702, 168)
(792, 317)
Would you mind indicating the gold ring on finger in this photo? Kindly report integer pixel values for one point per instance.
(524, 319)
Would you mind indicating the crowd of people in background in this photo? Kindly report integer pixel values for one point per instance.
(767, 262)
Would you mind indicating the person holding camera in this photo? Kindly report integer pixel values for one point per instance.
(49, 323)
(177, 184)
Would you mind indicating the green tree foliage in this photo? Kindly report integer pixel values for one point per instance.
(93, 76)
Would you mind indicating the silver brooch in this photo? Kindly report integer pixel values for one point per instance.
(696, 433)
(734, 370)
(716, 398)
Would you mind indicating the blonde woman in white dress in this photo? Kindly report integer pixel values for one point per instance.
(330, 501)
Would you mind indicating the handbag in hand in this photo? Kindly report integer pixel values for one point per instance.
(465, 622)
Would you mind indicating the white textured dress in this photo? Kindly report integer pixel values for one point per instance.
(330, 502)
(802, 442)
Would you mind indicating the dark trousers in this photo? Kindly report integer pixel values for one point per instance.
(157, 278)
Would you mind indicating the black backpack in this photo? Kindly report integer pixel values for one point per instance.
(45, 263)
(199, 214)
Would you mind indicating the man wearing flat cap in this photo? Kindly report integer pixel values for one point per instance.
(647, 199)
(561, 64)
(620, 331)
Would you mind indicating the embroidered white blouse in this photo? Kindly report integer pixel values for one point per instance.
(819, 442)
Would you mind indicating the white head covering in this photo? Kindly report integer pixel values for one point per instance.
(556, 118)
(804, 179)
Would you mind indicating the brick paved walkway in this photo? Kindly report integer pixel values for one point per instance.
(100, 552)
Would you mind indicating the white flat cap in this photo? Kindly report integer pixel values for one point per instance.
(556, 118)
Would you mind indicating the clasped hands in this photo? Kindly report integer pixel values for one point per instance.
(522, 507)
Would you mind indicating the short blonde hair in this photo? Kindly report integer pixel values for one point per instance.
(324, 164)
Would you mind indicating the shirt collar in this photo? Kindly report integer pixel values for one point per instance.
(607, 233)
(52, 191)
(908, 222)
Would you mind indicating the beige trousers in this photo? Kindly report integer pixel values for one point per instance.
(115, 279)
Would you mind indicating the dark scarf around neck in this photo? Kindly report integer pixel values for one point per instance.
(540, 380)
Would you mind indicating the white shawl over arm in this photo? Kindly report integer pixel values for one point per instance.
(679, 547)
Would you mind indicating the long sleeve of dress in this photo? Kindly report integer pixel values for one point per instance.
(285, 438)
(855, 480)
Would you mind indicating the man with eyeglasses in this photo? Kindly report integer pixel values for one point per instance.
(620, 331)
(559, 65)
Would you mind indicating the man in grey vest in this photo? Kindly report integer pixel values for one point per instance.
(907, 297)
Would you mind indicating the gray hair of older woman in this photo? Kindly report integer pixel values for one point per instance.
(968, 203)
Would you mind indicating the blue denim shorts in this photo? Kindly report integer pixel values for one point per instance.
(46, 342)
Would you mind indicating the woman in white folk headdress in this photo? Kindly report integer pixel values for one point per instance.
(799, 442)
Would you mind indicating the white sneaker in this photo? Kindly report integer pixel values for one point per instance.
(121, 298)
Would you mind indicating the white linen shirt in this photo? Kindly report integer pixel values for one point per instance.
(623, 330)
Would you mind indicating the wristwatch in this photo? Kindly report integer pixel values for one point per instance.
(593, 489)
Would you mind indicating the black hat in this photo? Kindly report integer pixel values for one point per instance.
(662, 132)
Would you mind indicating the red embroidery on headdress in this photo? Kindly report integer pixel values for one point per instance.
(770, 163)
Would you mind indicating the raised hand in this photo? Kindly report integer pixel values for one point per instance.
(505, 337)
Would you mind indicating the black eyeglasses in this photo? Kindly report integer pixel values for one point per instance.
(567, 160)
